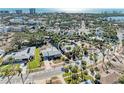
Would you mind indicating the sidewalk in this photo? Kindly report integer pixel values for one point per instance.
(47, 65)
(24, 68)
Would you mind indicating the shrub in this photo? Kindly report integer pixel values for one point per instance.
(92, 70)
(66, 70)
(74, 76)
(96, 69)
(91, 56)
(121, 80)
(74, 69)
(97, 76)
(85, 72)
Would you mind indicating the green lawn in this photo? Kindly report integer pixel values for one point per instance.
(9, 68)
(35, 63)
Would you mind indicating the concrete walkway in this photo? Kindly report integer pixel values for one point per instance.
(23, 68)
(47, 65)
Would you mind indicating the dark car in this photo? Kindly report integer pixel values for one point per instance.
(62, 69)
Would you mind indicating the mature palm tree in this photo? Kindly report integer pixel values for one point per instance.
(83, 64)
(102, 47)
(95, 58)
(74, 78)
(97, 76)
(82, 75)
(11, 61)
(7, 73)
(20, 73)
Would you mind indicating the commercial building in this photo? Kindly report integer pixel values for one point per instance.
(32, 10)
(4, 12)
(18, 11)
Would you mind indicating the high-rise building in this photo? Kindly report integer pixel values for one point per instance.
(4, 12)
(18, 11)
(1, 12)
(32, 10)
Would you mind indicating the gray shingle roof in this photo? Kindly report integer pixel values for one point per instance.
(52, 51)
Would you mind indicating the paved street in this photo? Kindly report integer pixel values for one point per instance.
(33, 76)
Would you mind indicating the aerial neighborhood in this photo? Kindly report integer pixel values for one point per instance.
(61, 48)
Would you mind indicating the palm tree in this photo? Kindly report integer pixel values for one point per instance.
(95, 58)
(97, 76)
(7, 73)
(82, 75)
(102, 47)
(121, 80)
(92, 70)
(85, 51)
(74, 78)
(11, 61)
(20, 73)
(83, 64)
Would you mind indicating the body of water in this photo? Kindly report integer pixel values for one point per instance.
(116, 18)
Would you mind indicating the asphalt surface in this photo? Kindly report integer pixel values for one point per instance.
(31, 77)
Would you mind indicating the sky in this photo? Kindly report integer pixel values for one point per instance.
(62, 3)
(68, 10)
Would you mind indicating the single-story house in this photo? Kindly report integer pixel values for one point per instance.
(21, 56)
(50, 53)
